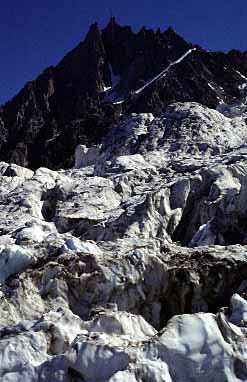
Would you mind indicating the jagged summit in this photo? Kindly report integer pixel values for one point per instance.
(80, 98)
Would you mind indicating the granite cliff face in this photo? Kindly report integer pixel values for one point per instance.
(129, 262)
(78, 100)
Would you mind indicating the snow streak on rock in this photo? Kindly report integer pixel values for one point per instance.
(163, 73)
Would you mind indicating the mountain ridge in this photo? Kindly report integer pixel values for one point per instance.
(68, 103)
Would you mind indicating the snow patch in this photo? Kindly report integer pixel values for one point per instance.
(13, 259)
(106, 88)
(76, 245)
(36, 231)
(239, 310)
(118, 102)
(211, 86)
(241, 75)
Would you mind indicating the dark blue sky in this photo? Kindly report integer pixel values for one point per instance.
(36, 34)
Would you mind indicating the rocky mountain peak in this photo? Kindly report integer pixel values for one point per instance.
(113, 71)
(93, 35)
